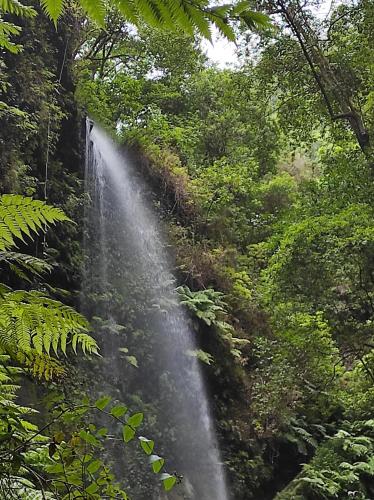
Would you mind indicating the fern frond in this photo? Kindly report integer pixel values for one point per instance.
(19, 261)
(128, 10)
(15, 7)
(6, 31)
(199, 21)
(223, 26)
(188, 15)
(256, 20)
(53, 8)
(41, 365)
(165, 11)
(32, 323)
(180, 16)
(21, 216)
(8, 388)
(95, 9)
(87, 343)
(149, 11)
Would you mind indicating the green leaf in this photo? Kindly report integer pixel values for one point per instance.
(89, 438)
(135, 420)
(95, 10)
(94, 466)
(157, 463)
(128, 433)
(132, 361)
(102, 432)
(92, 488)
(102, 402)
(146, 444)
(53, 8)
(118, 411)
(168, 481)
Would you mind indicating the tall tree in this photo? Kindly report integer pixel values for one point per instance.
(342, 86)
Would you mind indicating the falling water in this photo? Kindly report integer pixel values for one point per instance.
(128, 282)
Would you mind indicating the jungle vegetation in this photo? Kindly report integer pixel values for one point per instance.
(263, 176)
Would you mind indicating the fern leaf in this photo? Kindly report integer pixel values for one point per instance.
(181, 17)
(128, 10)
(199, 21)
(28, 263)
(149, 11)
(256, 20)
(41, 365)
(6, 31)
(165, 14)
(39, 341)
(15, 7)
(95, 9)
(223, 26)
(21, 216)
(33, 323)
(53, 8)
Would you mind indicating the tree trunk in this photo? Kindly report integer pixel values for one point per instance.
(336, 96)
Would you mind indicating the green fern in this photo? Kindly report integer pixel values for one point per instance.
(21, 216)
(15, 7)
(32, 324)
(8, 407)
(30, 321)
(95, 10)
(185, 15)
(342, 463)
(53, 8)
(41, 366)
(207, 304)
(300, 436)
(8, 29)
(7, 387)
(21, 263)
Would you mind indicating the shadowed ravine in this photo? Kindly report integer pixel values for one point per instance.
(128, 282)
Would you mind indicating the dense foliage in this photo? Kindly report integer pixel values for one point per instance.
(263, 175)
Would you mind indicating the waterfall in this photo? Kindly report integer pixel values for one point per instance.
(129, 286)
